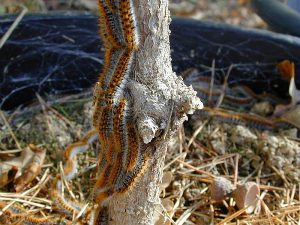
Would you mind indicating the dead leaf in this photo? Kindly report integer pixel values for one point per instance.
(287, 69)
(166, 180)
(32, 169)
(23, 169)
(8, 177)
(161, 216)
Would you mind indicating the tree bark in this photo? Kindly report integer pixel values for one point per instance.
(161, 102)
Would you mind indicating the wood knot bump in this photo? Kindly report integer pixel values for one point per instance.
(147, 128)
(187, 101)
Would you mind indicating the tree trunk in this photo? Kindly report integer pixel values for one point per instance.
(161, 101)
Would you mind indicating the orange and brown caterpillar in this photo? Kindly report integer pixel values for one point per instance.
(245, 119)
(120, 38)
(16, 214)
(60, 203)
(119, 143)
(75, 148)
(122, 157)
(126, 160)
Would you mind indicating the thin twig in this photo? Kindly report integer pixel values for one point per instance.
(187, 213)
(234, 215)
(13, 26)
(236, 170)
(212, 81)
(11, 151)
(224, 86)
(55, 112)
(14, 200)
(195, 134)
(10, 130)
(195, 169)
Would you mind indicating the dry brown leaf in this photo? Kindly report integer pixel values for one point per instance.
(24, 168)
(162, 218)
(8, 176)
(166, 180)
(16, 163)
(32, 168)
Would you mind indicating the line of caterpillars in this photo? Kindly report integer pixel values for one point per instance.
(122, 157)
(245, 119)
(16, 214)
(241, 96)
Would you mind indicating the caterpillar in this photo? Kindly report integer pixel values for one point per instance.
(254, 121)
(122, 157)
(16, 214)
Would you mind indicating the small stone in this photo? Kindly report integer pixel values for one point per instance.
(246, 196)
(263, 108)
(242, 134)
(220, 188)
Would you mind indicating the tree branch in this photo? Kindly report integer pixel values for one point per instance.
(161, 101)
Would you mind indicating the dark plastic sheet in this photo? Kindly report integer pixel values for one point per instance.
(60, 54)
